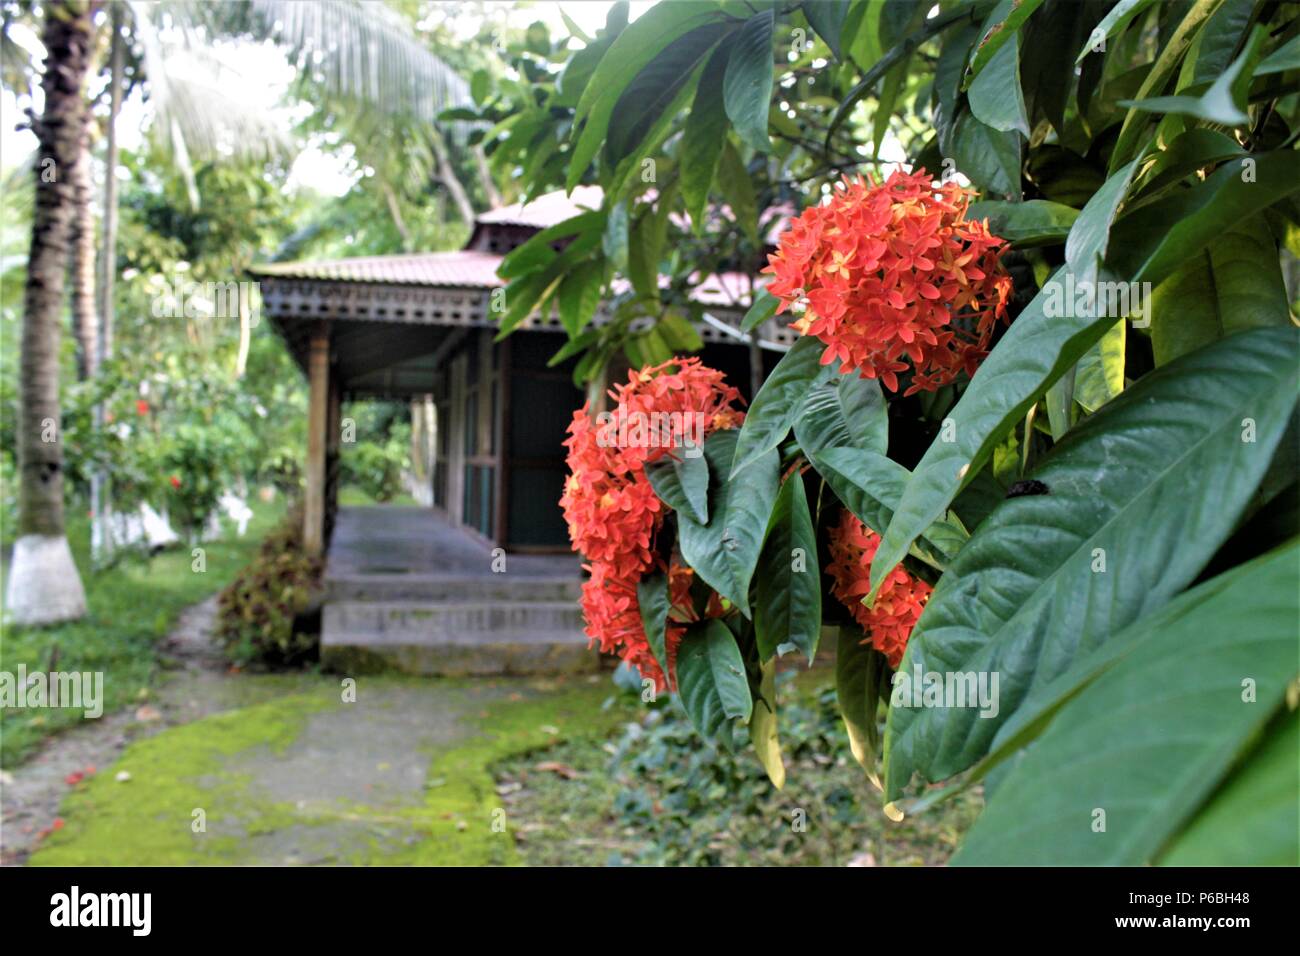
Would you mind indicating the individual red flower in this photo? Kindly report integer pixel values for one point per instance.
(141, 407)
(611, 509)
(892, 276)
(176, 482)
(899, 602)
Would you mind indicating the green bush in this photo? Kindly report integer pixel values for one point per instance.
(258, 614)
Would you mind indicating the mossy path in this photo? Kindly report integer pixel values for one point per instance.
(293, 770)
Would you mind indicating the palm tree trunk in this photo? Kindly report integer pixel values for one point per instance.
(85, 320)
(108, 254)
(44, 586)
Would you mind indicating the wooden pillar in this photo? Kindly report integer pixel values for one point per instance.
(318, 373)
(333, 443)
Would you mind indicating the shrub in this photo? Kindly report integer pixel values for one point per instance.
(258, 615)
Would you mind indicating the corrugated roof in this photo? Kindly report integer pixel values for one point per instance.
(546, 210)
(463, 268)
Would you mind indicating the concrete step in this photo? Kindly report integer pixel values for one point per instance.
(441, 588)
(455, 638)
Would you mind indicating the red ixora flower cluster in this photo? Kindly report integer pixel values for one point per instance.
(899, 602)
(894, 270)
(613, 512)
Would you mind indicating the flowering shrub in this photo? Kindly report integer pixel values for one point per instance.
(1086, 461)
(612, 510)
(890, 271)
(889, 621)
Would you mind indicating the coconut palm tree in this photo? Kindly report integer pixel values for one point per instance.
(44, 586)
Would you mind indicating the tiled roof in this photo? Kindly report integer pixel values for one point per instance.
(466, 268)
(546, 210)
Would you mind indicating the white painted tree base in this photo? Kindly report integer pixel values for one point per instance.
(44, 586)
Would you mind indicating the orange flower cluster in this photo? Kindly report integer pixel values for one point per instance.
(893, 271)
(899, 602)
(613, 512)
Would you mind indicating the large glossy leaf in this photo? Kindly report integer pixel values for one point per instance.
(1100, 374)
(827, 18)
(681, 480)
(1128, 145)
(762, 727)
(989, 157)
(711, 678)
(1147, 741)
(634, 48)
(1252, 820)
(1233, 285)
(1155, 240)
(747, 88)
(858, 667)
(703, 138)
(788, 595)
(725, 551)
(995, 96)
(1090, 236)
(779, 402)
(653, 601)
(1224, 103)
(847, 411)
(1037, 222)
(1112, 23)
(579, 296)
(1147, 489)
(1002, 24)
(870, 485)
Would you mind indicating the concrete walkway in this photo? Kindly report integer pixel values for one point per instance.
(291, 769)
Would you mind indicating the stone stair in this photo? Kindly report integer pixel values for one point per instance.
(450, 625)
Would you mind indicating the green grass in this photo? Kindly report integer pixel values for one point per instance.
(132, 605)
(352, 495)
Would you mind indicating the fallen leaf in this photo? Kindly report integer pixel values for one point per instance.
(147, 714)
(561, 769)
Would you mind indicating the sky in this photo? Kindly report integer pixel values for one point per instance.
(259, 75)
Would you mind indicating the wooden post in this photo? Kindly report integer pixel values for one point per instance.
(318, 371)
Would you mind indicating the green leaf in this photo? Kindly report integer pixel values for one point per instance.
(747, 88)
(725, 551)
(762, 726)
(681, 480)
(995, 96)
(1251, 820)
(764, 307)
(827, 18)
(1284, 58)
(788, 596)
(779, 402)
(1089, 238)
(614, 241)
(634, 48)
(1037, 222)
(1235, 284)
(1112, 23)
(1161, 471)
(858, 668)
(653, 600)
(991, 159)
(537, 252)
(1155, 240)
(848, 411)
(870, 485)
(1002, 24)
(1148, 739)
(1100, 373)
(579, 296)
(678, 333)
(1223, 103)
(711, 679)
(738, 190)
(1127, 145)
(703, 138)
